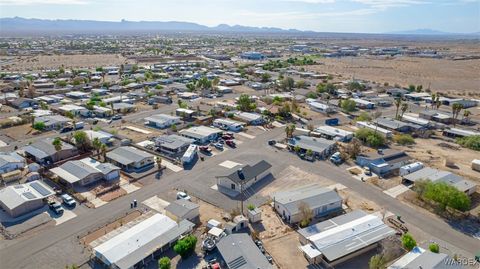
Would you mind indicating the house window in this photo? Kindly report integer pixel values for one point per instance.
(233, 186)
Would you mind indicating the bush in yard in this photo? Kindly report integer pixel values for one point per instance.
(446, 195)
(370, 137)
(184, 247)
(164, 263)
(434, 248)
(348, 105)
(403, 139)
(471, 142)
(408, 242)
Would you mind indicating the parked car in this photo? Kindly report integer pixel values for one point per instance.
(230, 143)
(117, 117)
(272, 142)
(55, 207)
(269, 258)
(218, 146)
(227, 137)
(367, 171)
(68, 200)
(206, 149)
(336, 158)
(183, 196)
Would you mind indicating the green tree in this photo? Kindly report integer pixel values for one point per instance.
(57, 143)
(39, 126)
(446, 195)
(364, 116)
(397, 103)
(309, 152)
(184, 247)
(164, 263)
(370, 137)
(408, 242)
(348, 105)
(96, 144)
(289, 129)
(287, 84)
(456, 108)
(403, 108)
(265, 77)
(435, 248)
(377, 261)
(81, 140)
(245, 103)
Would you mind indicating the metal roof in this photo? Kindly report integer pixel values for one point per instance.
(428, 260)
(248, 172)
(173, 141)
(127, 155)
(240, 252)
(340, 236)
(44, 148)
(316, 144)
(74, 171)
(181, 207)
(199, 132)
(436, 175)
(138, 242)
(313, 195)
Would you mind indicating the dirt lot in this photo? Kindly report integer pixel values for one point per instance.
(285, 252)
(34, 63)
(110, 227)
(441, 74)
(292, 177)
(431, 154)
(22, 132)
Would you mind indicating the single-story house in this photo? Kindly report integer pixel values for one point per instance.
(419, 258)
(185, 113)
(76, 110)
(320, 147)
(22, 103)
(319, 107)
(130, 159)
(238, 251)
(365, 104)
(20, 199)
(162, 120)
(182, 209)
(43, 151)
(384, 132)
(396, 125)
(86, 171)
(239, 179)
(383, 162)
(322, 201)
(173, 144)
(53, 122)
(442, 117)
(10, 161)
(201, 134)
(457, 132)
(136, 243)
(249, 117)
(342, 238)
(396, 92)
(334, 133)
(417, 96)
(103, 137)
(228, 124)
(435, 175)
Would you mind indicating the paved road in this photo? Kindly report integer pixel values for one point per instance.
(58, 246)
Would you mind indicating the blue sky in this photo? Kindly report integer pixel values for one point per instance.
(367, 16)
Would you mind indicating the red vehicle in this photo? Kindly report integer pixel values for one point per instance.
(227, 137)
(230, 143)
(205, 149)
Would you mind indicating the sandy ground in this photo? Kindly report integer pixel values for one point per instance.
(441, 74)
(22, 132)
(42, 62)
(430, 153)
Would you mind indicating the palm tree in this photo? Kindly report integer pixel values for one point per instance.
(103, 150)
(466, 115)
(289, 129)
(57, 143)
(404, 109)
(398, 103)
(456, 108)
(433, 99)
(96, 144)
(111, 107)
(159, 163)
(437, 102)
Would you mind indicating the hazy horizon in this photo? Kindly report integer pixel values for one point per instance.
(342, 16)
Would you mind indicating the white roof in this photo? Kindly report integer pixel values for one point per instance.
(134, 238)
(70, 107)
(215, 231)
(373, 127)
(310, 251)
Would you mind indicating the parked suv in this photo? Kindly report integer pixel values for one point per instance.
(55, 207)
(68, 200)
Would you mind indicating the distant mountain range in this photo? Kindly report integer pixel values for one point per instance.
(18, 26)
